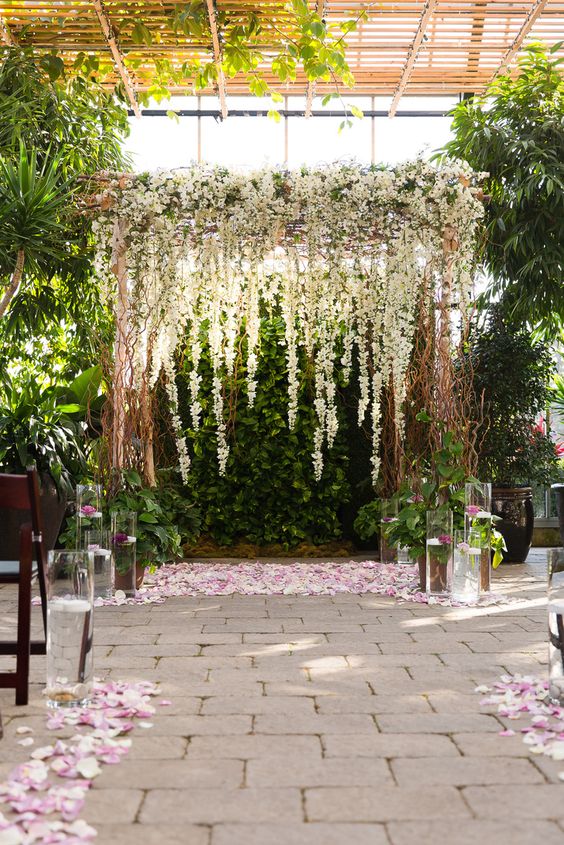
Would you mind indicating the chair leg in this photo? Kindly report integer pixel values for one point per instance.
(24, 617)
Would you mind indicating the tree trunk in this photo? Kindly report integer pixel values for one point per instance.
(15, 280)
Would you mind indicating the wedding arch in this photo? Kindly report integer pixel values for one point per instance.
(346, 254)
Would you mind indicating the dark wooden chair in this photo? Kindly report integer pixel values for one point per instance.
(21, 492)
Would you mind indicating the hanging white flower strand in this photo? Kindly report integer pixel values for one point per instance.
(342, 253)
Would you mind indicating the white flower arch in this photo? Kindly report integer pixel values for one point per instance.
(343, 250)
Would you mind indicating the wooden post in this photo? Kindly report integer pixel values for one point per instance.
(118, 388)
(444, 345)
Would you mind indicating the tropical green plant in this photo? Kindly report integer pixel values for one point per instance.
(514, 131)
(34, 211)
(47, 426)
(166, 518)
(269, 493)
(511, 374)
(440, 487)
(55, 129)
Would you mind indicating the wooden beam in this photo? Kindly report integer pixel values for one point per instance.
(413, 51)
(109, 35)
(476, 37)
(217, 59)
(310, 89)
(6, 36)
(533, 15)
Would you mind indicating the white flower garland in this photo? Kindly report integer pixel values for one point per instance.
(343, 251)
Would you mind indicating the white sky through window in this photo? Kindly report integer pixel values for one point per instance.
(249, 142)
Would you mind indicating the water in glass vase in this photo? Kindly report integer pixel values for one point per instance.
(556, 650)
(69, 652)
(125, 564)
(466, 571)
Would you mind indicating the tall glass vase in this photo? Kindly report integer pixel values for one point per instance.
(70, 595)
(123, 544)
(98, 542)
(88, 512)
(466, 567)
(556, 625)
(388, 515)
(439, 552)
(478, 518)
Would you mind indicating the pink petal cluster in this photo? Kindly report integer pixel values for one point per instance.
(515, 696)
(473, 510)
(192, 578)
(87, 510)
(44, 810)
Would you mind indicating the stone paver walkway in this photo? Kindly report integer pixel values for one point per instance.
(318, 721)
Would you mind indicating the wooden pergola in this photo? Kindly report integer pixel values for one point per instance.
(402, 47)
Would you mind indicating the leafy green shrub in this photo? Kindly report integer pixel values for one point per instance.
(166, 516)
(269, 494)
(511, 374)
(48, 426)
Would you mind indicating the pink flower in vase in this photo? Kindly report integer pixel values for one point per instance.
(464, 547)
(389, 519)
(473, 510)
(445, 539)
(120, 538)
(87, 510)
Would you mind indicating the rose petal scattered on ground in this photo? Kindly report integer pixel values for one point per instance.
(515, 696)
(192, 578)
(45, 795)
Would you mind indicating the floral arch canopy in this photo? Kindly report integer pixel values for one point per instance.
(345, 254)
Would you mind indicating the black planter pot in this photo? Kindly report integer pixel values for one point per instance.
(559, 489)
(514, 506)
(53, 509)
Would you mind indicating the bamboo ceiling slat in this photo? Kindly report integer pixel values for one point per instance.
(462, 45)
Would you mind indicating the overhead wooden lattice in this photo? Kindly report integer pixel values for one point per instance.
(403, 47)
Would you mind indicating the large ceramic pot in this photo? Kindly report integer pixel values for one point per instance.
(53, 508)
(559, 490)
(514, 506)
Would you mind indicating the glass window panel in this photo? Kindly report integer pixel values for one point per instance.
(243, 141)
(161, 142)
(318, 140)
(401, 138)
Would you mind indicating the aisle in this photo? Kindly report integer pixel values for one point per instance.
(349, 720)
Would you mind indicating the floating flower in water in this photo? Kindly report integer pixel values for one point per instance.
(120, 539)
(464, 547)
(473, 510)
(87, 510)
(444, 539)
(389, 519)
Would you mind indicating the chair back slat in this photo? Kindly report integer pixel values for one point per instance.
(14, 492)
(21, 492)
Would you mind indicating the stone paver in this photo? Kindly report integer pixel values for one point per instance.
(345, 720)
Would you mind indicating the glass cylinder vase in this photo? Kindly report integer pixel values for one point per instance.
(439, 552)
(556, 625)
(98, 542)
(466, 567)
(70, 596)
(88, 512)
(478, 517)
(388, 515)
(123, 544)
